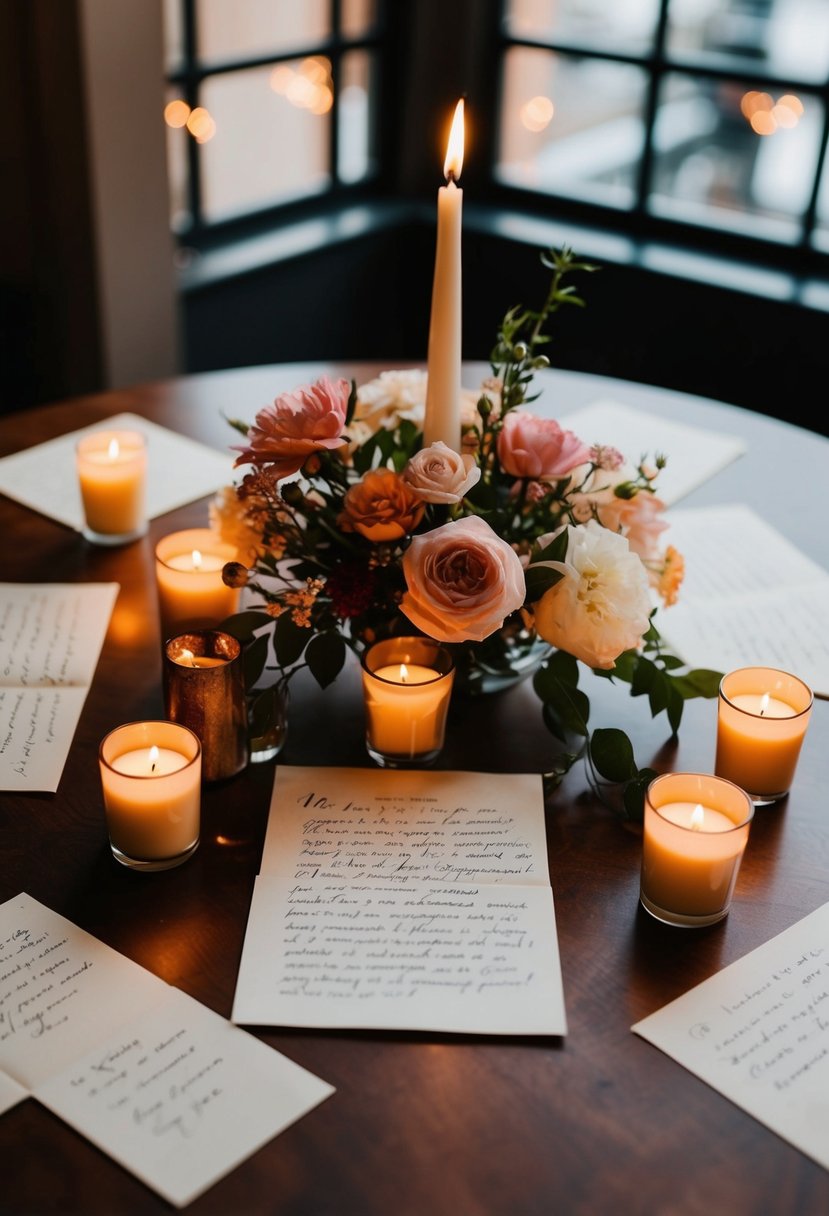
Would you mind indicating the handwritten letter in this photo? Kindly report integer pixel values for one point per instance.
(759, 1033)
(50, 639)
(403, 900)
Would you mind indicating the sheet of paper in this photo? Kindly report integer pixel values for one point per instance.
(758, 1032)
(693, 455)
(411, 900)
(179, 470)
(730, 614)
(62, 991)
(180, 1096)
(10, 1093)
(171, 1090)
(51, 636)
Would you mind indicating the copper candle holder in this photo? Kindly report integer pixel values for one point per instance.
(204, 689)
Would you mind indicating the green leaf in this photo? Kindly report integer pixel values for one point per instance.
(659, 693)
(676, 704)
(701, 682)
(566, 709)
(539, 580)
(644, 675)
(612, 754)
(555, 551)
(242, 427)
(254, 658)
(243, 625)
(352, 403)
(325, 655)
(633, 794)
(289, 639)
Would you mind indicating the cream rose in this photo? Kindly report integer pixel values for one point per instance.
(462, 581)
(438, 474)
(601, 607)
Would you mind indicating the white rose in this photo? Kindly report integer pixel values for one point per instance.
(438, 474)
(601, 607)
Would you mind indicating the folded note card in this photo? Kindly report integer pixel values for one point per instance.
(179, 470)
(174, 1092)
(403, 900)
(758, 1032)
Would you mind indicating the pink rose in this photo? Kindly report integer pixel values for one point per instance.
(529, 446)
(462, 581)
(439, 474)
(309, 419)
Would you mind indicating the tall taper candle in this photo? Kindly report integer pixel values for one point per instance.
(443, 389)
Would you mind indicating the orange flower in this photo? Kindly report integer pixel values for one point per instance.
(382, 507)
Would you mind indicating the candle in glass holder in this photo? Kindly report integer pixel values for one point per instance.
(762, 716)
(188, 570)
(112, 473)
(151, 782)
(407, 685)
(442, 420)
(204, 689)
(694, 836)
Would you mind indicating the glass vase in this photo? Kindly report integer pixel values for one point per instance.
(268, 722)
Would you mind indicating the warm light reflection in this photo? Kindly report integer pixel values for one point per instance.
(176, 113)
(453, 164)
(765, 115)
(200, 124)
(309, 87)
(537, 113)
(128, 626)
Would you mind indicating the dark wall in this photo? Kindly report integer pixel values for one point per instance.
(369, 299)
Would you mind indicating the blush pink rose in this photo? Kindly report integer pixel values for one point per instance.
(529, 446)
(309, 419)
(462, 581)
(439, 474)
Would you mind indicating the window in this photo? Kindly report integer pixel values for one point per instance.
(270, 102)
(705, 114)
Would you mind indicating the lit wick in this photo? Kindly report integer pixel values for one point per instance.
(764, 703)
(187, 656)
(697, 818)
(153, 757)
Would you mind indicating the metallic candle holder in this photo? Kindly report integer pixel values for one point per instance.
(204, 689)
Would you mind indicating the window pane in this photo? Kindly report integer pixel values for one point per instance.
(271, 136)
(571, 126)
(735, 158)
(625, 25)
(821, 233)
(173, 33)
(230, 30)
(358, 17)
(783, 37)
(355, 151)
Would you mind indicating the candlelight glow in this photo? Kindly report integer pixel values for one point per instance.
(113, 449)
(404, 673)
(537, 113)
(153, 758)
(196, 559)
(453, 164)
(201, 125)
(764, 703)
(176, 113)
(697, 817)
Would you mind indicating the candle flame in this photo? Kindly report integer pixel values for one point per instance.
(196, 559)
(153, 758)
(113, 449)
(697, 817)
(453, 164)
(404, 673)
(187, 656)
(764, 703)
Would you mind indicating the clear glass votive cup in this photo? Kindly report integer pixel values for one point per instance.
(762, 716)
(694, 835)
(151, 782)
(407, 686)
(192, 593)
(112, 476)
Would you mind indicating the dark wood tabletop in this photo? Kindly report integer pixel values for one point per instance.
(594, 1123)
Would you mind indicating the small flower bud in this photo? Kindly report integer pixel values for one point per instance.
(234, 574)
(292, 494)
(520, 350)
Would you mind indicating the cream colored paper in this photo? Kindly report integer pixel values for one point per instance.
(694, 455)
(175, 1093)
(10, 1093)
(403, 900)
(179, 470)
(51, 636)
(758, 1033)
(749, 597)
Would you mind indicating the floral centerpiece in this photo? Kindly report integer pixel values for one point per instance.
(525, 550)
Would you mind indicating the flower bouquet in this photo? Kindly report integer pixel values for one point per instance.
(526, 550)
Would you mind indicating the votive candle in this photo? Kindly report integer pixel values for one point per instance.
(762, 716)
(204, 689)
(407, 685)
(694, 835)
(151, 782)
(112, 474)
(191, 592)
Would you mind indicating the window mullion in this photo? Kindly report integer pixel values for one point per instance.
(656, 66)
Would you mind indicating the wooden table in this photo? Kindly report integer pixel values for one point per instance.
(427, 1124)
